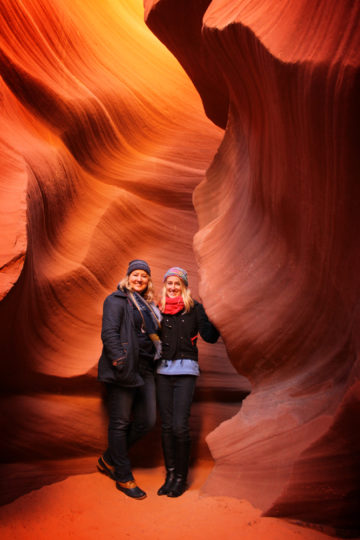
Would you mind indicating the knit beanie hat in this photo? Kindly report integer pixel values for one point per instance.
(179, 272)
(138, 264)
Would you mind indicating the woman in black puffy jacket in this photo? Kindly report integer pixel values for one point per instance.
(131, 344)
(183, 318)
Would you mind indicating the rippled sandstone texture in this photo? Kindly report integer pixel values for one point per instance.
(103, 140)
(278, 245)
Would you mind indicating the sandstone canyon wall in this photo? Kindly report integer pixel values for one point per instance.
(279, 216)
(104, 139)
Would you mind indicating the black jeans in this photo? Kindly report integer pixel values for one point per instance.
(175, 394)
(132, 413)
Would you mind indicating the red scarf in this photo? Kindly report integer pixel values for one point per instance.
(173, 305)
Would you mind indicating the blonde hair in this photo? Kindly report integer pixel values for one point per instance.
(124, 285)
(185, 293)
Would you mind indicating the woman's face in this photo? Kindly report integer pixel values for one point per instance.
(173, 286)
(138, 281)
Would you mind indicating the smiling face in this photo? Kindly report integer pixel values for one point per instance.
(173, 286)
(138, 281)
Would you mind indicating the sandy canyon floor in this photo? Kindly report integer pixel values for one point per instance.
(87, 506)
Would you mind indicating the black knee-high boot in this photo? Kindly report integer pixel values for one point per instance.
(168, 446)
(182, 458)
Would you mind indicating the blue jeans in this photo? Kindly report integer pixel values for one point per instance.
(132, 413)
(175, 394)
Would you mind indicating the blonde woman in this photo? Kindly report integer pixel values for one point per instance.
(183, 318)
(131, 344)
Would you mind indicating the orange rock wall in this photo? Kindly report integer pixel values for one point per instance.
(278, 248)
(104, 139)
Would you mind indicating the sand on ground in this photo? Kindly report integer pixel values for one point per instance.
(86, 507)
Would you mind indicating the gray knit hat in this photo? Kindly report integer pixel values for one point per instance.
(138, 264)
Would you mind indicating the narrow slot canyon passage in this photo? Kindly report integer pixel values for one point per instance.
(221, 137)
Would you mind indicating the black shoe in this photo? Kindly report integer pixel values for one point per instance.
(178, 487)
(168, 484)
(105, 468)
(131, 489)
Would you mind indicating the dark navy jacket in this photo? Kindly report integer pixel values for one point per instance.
(119, 359)
(179, 333)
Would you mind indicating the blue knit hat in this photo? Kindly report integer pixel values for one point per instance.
(179, 272)
(138, 264)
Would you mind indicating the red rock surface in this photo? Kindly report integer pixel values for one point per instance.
(103, 141)
(278, 243)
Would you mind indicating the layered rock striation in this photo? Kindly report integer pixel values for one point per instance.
(103, 141)
(278, 242)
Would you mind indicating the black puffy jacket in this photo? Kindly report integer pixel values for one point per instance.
(179, 333)
(119, 359)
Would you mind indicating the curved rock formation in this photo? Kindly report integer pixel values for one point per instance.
(103, 140)
(13, 184)
(279, 220)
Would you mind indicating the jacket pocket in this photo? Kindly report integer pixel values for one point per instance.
(120, 363)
